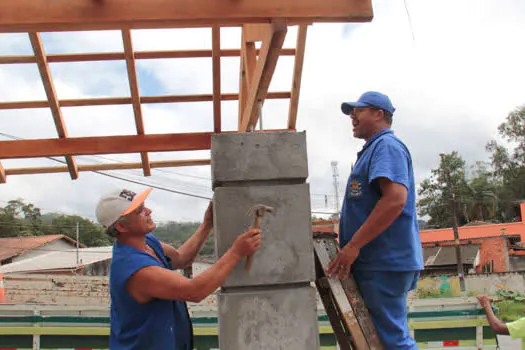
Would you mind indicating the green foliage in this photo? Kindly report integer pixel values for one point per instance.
(176, 233)
(489, 192)
(428, 293)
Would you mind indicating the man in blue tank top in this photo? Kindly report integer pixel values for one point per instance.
(378, 230)
(148, 298)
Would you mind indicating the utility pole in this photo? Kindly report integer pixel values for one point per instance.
(452, 206)
(77, 242)
(335, 174)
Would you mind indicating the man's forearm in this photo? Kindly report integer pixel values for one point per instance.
(189, 250)
(211, 279)
(498, 326)
(383, 215)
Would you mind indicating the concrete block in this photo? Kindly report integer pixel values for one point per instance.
(286, 254)
(258, 156)
(261, 320)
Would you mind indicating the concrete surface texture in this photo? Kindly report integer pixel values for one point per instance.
(258, 156)
(286, 254)
(272, 319)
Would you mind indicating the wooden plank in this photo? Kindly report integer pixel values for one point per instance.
(216, 67)
(264, 70)
(103, 167)
(67, 15)
(357, 302)
(107, 101)
(247, 66)
(3, 178)
(343, 304)
(105, 145)
(330, 307)
(49, 88)
(297, 74)
(139, 55)
(135, 95)
(255, 32)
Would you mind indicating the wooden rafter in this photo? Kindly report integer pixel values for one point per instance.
(262, 76)
(104, 167)
(108, 101)
(216, 68)
(67, 15)
(108, 145)
(2, 174)
(297, 73)
(104, 145)
(49, 88)
(138, 55)
(135, 94)
(247, 67)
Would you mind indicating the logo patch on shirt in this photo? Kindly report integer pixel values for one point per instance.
(355, 188)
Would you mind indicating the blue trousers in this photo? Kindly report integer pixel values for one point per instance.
(385, 295)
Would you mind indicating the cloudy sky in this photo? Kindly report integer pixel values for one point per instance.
(453, 75)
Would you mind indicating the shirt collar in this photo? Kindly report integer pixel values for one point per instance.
(374, 138)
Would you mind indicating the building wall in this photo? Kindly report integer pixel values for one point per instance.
(100, 268)
(57, 289)
(57, 245)
(448, 285)
(496, 250)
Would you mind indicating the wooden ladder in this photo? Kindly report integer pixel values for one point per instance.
(344, 306)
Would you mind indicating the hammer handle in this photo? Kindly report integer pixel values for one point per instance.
(249, 258)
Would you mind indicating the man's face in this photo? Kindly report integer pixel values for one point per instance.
(139, 221)
(364, 121)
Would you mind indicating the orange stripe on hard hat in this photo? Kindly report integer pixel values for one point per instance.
(137, 201)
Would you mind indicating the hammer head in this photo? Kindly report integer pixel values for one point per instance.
(259, 210)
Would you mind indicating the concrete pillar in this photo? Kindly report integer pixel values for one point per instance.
(272, 306)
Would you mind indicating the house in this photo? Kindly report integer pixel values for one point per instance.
(441, 260)
(86, 261)
(13, 249)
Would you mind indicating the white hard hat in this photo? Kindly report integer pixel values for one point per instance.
(117, 204)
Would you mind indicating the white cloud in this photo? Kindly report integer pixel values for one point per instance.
(452, 86)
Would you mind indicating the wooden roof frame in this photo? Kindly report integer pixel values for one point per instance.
(261, 21)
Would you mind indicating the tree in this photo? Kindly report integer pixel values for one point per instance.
(434, 201)
(90, 234)
(509, 167)
(18, 218)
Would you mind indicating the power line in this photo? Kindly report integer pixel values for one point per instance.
(409, 21)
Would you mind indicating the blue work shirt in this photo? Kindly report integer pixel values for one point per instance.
(398, 248)
(158, 324)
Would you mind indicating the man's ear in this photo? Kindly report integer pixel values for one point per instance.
(120, 226)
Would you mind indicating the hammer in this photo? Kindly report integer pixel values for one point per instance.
(259, 211)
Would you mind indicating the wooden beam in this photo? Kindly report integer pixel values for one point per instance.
(108, 101)
(247, 68)
(104, 167)
(67, 15)
(104, 145)
(135, 95)
(139, 55)
(49, 88)
(216, 64)
(265, 68)
(297, 74)
(2, 174)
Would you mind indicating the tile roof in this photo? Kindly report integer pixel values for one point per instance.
(11, 247)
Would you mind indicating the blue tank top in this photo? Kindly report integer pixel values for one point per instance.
(159, 324)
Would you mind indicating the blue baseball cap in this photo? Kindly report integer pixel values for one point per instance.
(370, 99)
